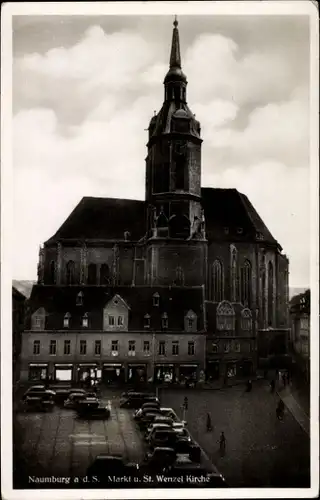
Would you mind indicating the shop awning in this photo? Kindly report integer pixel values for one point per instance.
(115, 365)
(69, 365)
(165, 366)
(43, 365)
(87, 364)
(188, 366)
(137, 365)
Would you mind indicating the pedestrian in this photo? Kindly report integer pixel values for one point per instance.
(222, 442)
(272, 385)
(209, 424)
(249, 386)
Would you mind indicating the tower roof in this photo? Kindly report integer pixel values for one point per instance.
(175, 72)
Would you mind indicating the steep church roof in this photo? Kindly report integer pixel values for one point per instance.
(103, 218)
(229, 215)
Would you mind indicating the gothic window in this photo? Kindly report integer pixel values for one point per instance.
(53, 272)
(246, 283)
(179, 281)
(225, 316)
(246, 320)
(217, 281)
(270, 294)
(104, 274)
(66, 320)
(79, 300)
(234, 274)
(71, 272)
(92, 274)
(38, 319)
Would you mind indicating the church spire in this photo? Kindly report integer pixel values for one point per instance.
(175, 58)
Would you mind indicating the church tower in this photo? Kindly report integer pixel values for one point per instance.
(175, 219)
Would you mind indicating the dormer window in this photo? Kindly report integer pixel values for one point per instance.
(156, 299)
(147, 321)
(85, 320)
(239, 230)
(38, 319)
(164, 321)
(190, 321)
(66, 320)
(116, 314)
(79, 300)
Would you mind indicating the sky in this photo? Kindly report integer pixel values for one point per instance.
(85, 88)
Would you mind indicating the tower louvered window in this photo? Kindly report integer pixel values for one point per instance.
(70, 272)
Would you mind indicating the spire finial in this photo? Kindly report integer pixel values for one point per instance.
(175, 59)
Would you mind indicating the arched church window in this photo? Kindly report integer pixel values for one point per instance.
(270, 294)
(246, 320)
(104, 274)
(217, 281)
(53, 272)
(71, 272)
(92, 274)
(234, 274)
(225, 316)
(246, 283)
(162, 220)
(179, 281)
(179, 226)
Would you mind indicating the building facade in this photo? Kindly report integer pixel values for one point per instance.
(181, 241)
(300, 331)
(18, 316)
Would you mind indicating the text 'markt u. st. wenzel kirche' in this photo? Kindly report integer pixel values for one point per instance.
(171, 288)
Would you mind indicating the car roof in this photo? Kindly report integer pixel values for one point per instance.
(164, 448)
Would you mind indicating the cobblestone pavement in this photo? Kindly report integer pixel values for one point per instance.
(261, 451)
(60, 444)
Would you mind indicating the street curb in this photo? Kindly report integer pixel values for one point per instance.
(292, 413)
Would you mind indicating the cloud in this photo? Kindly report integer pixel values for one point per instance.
(81, 115)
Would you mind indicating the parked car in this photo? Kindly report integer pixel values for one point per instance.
(158, 459)
(142, 413)
(155, 427)
(87, 403)
(183, 467)
(151, 404)
(135, 400)
(105, 465)
(75, 397)
(185, 445)
(147, 419)
(163, 422)
(62, 394)
(166, 438)
(93, 412)
(35, 390)
(39, 401)
(169, 412)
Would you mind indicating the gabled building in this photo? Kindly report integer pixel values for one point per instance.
(300, 331)
(199, 251)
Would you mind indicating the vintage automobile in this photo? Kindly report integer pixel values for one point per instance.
(62, 394)
(37, 389)
(135, 400)
(38, 401)
(159, 459)
(74, 398)
(107, 466)
(89, 412)
(163, 438)
(184, 468)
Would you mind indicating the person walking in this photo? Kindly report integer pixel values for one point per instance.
(222, 442)
(272, 385)
(209, 424)
(249, 386)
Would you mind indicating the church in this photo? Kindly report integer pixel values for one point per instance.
(171, 289)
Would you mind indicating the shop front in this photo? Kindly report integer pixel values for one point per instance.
(88, 373)
(113, 373)
(213, 370)
(38, 371)
(232, 369)
(188, 372)
(137, 373)
(164, 374)
(63, 372)
(245, 368)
